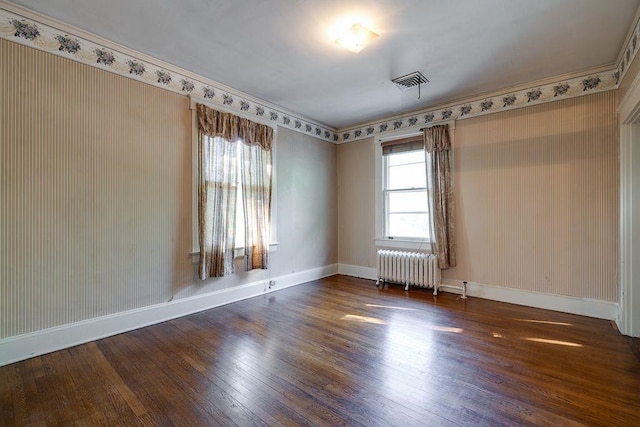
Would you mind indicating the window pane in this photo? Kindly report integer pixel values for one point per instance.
(406, 157)
(407, 176)
(408, 225)
(414, 201)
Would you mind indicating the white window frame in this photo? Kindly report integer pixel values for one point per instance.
(195, 243)
(381, 240)
(386, 196)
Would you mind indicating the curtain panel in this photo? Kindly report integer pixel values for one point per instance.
(219, 162)
(441, 204)
(217, 198)
(256, 192)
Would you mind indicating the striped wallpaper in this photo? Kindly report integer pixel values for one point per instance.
(95, 180)
(537, 198)
(95, 176)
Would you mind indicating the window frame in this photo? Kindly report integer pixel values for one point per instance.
(381, 239)
(386, 193)
(195, 242)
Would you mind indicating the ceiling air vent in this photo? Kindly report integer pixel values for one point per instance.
(410, 80)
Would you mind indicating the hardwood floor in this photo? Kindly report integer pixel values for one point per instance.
(338, 351)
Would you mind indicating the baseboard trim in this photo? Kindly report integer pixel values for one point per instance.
(357, 271)
(15, 349)
(583, 306)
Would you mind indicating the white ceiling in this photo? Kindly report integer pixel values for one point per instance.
(283, 51)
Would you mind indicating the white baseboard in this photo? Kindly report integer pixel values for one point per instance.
(583, 306)
(305, 276)
(14, 349)
(357, 271)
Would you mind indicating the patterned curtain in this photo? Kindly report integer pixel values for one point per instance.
(439, 155)
(216, 205)
(218, 134)
(256, 192)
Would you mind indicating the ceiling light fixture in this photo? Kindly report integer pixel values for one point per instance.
(356, 37)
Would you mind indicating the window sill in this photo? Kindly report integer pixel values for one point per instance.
(239, 253)
(418, 245)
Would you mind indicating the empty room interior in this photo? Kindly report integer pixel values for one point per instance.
(268, 212)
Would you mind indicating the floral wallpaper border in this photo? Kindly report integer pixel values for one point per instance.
(41, 36)
(32, 33)
(585, 85)
(578, 86)
(629, 52)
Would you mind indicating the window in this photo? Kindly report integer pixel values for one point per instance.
(406, 212)
(239, 212)
(405, 193)
(402, 190)
(237, 184)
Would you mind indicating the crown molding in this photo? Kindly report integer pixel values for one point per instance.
(39, 31)
(24, 26)
(629, 48)
(589, 81)
(501, 91)
(585, 82)
(630, 32)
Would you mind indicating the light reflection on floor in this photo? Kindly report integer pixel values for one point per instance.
(363, 319)
(409, 351)
(447, 329)
(541, 340)
(556, 342)
(546, 322)
(391, 307)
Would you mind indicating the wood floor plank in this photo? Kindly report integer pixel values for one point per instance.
(27, 372)
(166, 386)
(325, 363)
(249, 389)
(210, 395)
(339, 351)
(9, 405)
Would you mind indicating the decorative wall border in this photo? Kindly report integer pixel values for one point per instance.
(504, 100)
(497, 102)
(629, 52)
(28, 28)
(66, 42)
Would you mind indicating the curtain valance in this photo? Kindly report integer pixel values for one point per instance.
(231, 127)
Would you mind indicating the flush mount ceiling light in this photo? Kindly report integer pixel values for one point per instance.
(356, 37)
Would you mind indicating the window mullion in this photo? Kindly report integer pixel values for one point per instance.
(406, 190)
